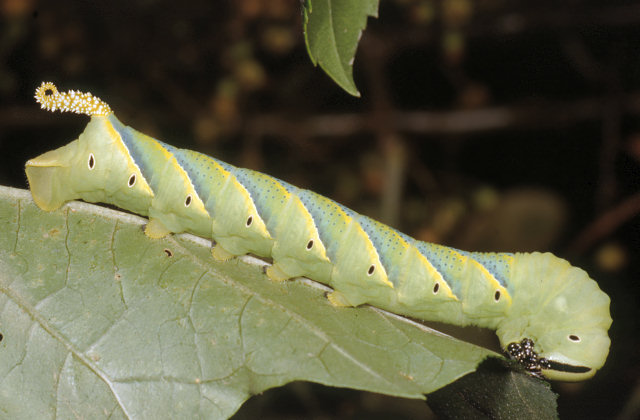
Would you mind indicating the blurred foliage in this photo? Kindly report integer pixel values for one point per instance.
(332, 31)
(514, 113)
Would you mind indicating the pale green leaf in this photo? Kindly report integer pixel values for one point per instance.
(98, 321)
(332, 30)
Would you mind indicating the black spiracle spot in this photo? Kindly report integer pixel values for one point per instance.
(496, 296)
(309, 244)
(436, 288)
(132, 180)
(249, 221)
(168, 252)
(371, 269)
(187, 201)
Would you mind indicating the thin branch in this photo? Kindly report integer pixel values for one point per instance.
(543, 114)
(606, 224)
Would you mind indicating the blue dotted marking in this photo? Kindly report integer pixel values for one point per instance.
(147, 158)
(265, 193)
(496, 263)
(445, 261)
(325, 216)
(203, 171)
(387, 242)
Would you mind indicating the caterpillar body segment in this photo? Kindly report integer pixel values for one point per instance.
(236, 225)
(415, 281)
(355, 261)
(176, 207)
(297, 249)
(547, 314)
(178, 203)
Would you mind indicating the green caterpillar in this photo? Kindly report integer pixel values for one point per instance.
(547, 314)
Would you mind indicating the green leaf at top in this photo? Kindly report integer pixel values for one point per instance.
(99, 321)
(332, 30)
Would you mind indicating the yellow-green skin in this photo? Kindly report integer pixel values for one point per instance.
(530, 295)
(96, 167)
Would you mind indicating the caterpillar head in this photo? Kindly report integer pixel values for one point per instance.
(559, 320)
(94, 167)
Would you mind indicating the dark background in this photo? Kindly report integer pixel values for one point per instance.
(486, 125)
